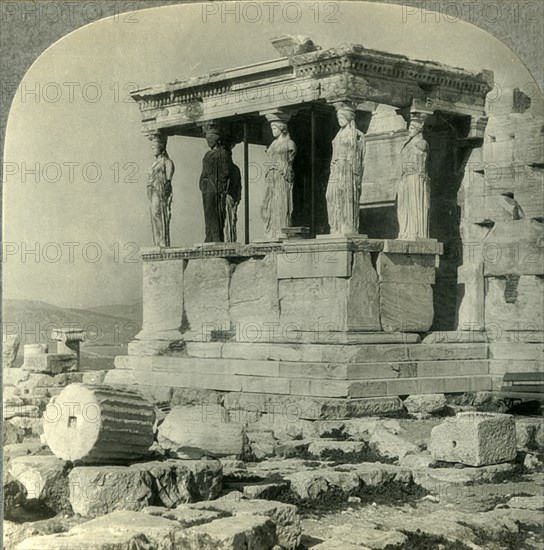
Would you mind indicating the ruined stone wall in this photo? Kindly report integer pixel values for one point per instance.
(501, 279)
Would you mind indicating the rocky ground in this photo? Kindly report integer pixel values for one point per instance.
(275, 481)
(357, 483)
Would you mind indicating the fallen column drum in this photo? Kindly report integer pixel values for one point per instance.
(98, 424)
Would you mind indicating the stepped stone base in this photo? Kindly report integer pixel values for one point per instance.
(312, 380)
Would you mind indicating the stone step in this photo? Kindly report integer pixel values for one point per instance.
(517, 351)
(172, 377)
(369, 353)
(500, 367)
(293, 369)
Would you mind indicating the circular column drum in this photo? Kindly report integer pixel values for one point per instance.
(98, 424)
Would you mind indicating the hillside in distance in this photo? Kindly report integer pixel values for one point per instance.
(33, 320)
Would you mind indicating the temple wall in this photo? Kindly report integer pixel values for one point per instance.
(501, 279)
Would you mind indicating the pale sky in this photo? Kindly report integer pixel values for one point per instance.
(71, 119)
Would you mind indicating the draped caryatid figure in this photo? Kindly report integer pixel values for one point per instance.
(346, 171)
(277, 205)
(413, 196)
(232, 200)
(159, 191)
(214, 185)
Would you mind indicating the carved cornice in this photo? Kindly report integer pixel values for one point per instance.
(345, 73)
(372, 63)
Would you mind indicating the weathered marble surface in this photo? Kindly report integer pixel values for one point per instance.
(400, 268)
(253, 294)
(97, 424)
(206, 296)
(406, 307)
(162, 296)
(524, 313)
(475, 439)
(299, 291)
(10, 348)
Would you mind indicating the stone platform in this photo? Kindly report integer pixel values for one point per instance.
(298, 290)
(314, 377)
(333, 327)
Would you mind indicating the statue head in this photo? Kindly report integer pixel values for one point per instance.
(278, 128)
(415, 127)
(158, 143)
(212, 138)
(345, 115)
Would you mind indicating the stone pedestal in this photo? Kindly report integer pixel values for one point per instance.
(285, 292)
(162, 305)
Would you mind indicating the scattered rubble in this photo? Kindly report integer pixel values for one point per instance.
(352, 483)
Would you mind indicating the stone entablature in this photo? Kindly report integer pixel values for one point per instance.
(344, 73)
(231, 250)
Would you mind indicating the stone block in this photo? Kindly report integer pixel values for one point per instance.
(159, 531)
(86, 541)
(12, 408)
(323, 447)
(162, 295)
(382, 161)
(425, 404)
(188, 517)
(32, 349)
(320, 259)
(284, 516)
(12, 434)
(10, 348)
(94, 377)
(475, 439)
(206, 296)
(514, 247)
(389, 444)
(406, 268)
(406, 307)
(445, 352)
(470, 296)
(332, 304)
(363, 301)
(97, 490)
(50, 363)
(421, 246)
(194, 432)
(14, 493)
(182, 481)
(206, 350)
(253, 296)
(45, 479)
(314, 304)
(243, 532)
(12, 377)
(513, 303)
(520, 351)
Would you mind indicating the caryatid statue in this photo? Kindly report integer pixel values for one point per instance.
(214, 186)
(232, 200)
(346, 171)
(413, 195)
(277, 205)
(159, 191)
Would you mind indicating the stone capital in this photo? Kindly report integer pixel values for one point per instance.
(278, 115)
(477, 127)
